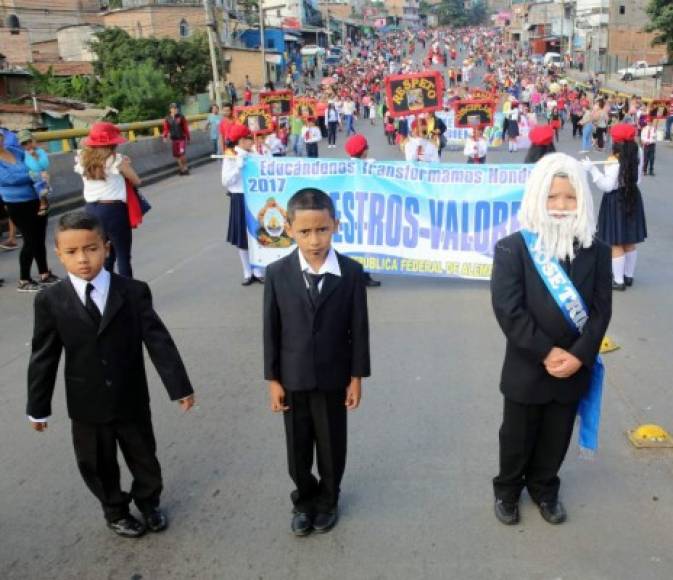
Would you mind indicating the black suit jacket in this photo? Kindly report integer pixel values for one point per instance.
(104, 367)
(308, 348)
(533, 322)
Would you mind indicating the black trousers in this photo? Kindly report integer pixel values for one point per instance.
(577, 130)
(311, 150)
(34, 230)
(115, 220)
(649, 151)
(534, 440)
(331, 132)
(316, 419)
(96, 453)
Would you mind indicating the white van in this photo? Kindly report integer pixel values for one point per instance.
(553, 59)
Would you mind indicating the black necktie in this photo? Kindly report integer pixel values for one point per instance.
(91, 307)
(313, 286)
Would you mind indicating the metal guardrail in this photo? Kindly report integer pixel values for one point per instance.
(66, 135)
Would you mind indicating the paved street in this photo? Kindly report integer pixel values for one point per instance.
(417, 498)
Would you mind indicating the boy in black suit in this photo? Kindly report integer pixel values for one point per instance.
(316, 351)
(102, 320)
(548, 363)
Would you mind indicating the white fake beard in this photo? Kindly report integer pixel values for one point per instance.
(557, 234)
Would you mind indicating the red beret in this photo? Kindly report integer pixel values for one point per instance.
(541, 135)
(356, 145)
(237, 131)
(623, 132)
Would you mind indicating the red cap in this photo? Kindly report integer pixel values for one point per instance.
(236, 132)
(103, 134)
(623, 132)
(356, 145)
(541, 135)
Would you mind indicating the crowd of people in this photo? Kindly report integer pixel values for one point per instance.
(314, 376)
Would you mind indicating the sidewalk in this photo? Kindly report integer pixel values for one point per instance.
(647, 88)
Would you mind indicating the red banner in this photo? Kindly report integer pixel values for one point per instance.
(474, 113)
(280, 102)
(257, 117)
(414, 93)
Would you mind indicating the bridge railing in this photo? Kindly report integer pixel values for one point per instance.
(65, 136)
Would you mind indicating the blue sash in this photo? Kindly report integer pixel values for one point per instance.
(576, 314)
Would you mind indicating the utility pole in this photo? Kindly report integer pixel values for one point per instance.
(210, 26)
(262, 42)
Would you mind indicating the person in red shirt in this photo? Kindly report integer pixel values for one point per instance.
(176, 130)
(247, 97)
(225, 123)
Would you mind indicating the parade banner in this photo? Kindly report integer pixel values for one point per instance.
(481, 94)
(439, 220)
(414, 93)
(279, 102)
(474, 112)
(256, 117)
(304, 107)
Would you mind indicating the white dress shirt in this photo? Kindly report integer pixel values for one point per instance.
(648, 135)
(428, 151)
(329, 266)
(475, 149)
(311, 134)
(101, 288)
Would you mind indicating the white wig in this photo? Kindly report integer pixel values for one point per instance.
(556, 239)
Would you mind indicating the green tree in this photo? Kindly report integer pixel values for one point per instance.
(185, 63)
(80, 87)
(139, 93)
(452, 13)
(661, 22)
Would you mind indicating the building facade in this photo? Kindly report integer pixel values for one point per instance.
(627, 38)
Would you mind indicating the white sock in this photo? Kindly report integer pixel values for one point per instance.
(258, 271)
(618, 269)
(630, 263)
(245, 261)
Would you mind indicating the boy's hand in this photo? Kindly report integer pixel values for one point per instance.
(562, 364)
(187, 403)
(41, 426)
(354, 394)
(277, 397)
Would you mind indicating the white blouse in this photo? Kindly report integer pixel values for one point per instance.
(112, 188)
(608, 180)
(232, 171)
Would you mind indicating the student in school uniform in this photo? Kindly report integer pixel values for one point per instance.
(621, 218)
(541, 143)
(357, 148)
(311, 136)
(102, 320)
(316, 352)
(648, 139)
(553, 336)
(238, 145)
(476, 147)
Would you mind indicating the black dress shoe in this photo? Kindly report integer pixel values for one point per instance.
(127, 527)
(371, 283)
(506, 512)
(259, 279)
(324, 522)
(301, 524)
(553, 512)
(248, 281)
(628, 282)
(155, 520)
(618, 287)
